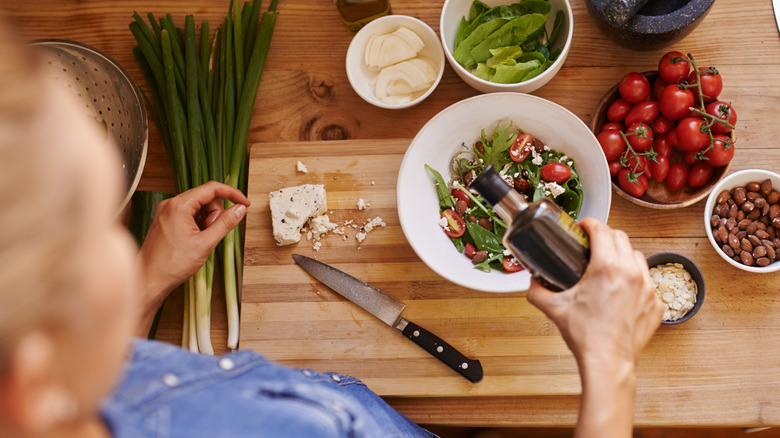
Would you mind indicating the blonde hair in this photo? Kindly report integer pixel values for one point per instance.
(39, 211)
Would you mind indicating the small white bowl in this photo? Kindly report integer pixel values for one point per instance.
(442, 137)
(738, 179)
(361, 76)
(454, 10)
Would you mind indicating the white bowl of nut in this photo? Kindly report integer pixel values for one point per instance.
(742, 219)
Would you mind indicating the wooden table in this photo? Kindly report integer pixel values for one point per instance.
(720, 368)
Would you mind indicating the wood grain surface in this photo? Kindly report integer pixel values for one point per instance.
(720, 368)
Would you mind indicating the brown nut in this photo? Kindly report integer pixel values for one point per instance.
(723, 197)
(733, 241)
(469, 177)
(740, 235)
(770, 252)
(774, 211)
(731, 223)
(752, 196)
(743, 224)
(746, 245)
(773, 198)
(768, 243)
(765, 210)
(759, 251)
(763, 261)
(486, 224)
(751, 229)
(723, 234)
(522, 186)
(728, 251)
(766, 187)
(730, 203)
(479, 257)
(720, 210)
(747, 258)
(479, 147)
(747, 207)
(776, 222)
(739, 195)
(772, 231)
(472, 219)
(755, 241)
(733, 211)
(760, 203)
(461, 207)
(741, 215)
(761, 234)
(760, 226)
(715, 220)
(753, 186)
(777, 242)
(753, 215)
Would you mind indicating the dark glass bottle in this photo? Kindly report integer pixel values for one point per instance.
(357, 13)
(546, 240)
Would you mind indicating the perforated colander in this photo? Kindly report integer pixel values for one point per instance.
(109, 95)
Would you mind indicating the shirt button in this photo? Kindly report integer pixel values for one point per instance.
(336, 378)
(226, 364)
(170, 380)
(307, 373)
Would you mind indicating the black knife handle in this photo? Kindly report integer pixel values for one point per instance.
(468, 368)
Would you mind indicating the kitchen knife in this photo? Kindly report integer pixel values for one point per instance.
(388, 309)
(776, 6)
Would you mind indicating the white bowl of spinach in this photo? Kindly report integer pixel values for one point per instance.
(500, 45)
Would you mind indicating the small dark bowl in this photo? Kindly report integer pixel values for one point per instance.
(659, 23)
(663, 258)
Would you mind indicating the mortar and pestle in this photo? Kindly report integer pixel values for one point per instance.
(647, 24)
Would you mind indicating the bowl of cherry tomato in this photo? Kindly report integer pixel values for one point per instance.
(667, 134)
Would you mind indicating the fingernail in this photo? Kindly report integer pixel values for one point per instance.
(240, 210)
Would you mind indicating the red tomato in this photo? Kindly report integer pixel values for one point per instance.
(618, 110)
(676, 103)
(470, 250)
(637, 166)
(690, 136)
(661, 146)
(461, 195)
(671, 137)
(634, 87)
(720, 154)
(511, 264)
(455, 224)
(670, 72)
(555, 172)
(675, 180)
(663, 124)
(660, 168)
(711, 83)
(612, 144)
(615, 167)
(635, 188)
(645, 112)
(521, 147)
(617, 126)
(640, 136)
(723, 111)
(699, 174)
(658, 87)
(690, 157)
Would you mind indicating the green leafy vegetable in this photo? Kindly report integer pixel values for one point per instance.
(445, 198)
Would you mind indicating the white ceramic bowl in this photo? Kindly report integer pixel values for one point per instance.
(360, 75)
(454, 10)
(441, 138)
(738, 179)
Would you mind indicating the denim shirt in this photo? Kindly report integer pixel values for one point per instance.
(168, 392)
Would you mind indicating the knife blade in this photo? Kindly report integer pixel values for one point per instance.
(776, 7)
(389, 309)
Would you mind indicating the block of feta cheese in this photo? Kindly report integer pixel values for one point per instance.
(291, 207)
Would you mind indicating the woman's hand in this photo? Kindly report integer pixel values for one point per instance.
(606, 320)
(186, 229)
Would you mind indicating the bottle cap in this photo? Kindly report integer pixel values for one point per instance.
(490, 186)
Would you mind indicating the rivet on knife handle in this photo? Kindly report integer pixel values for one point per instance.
(468, 368)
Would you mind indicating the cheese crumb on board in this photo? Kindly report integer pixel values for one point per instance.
(320, 226)
(362, 204)
(371, 224)
(300, 167)
(675, 288)
(291, 207)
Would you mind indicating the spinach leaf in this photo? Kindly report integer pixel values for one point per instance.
(445, 198)
(478, 8)
(511, 74)
(502, 54)
(484, 240)
(490, 262)
(458, 242)
(462, 52)
(513, 32)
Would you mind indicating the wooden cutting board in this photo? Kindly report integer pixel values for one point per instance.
(290, 317)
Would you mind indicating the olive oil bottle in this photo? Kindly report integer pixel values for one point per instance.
(357, 13)
(543, 238)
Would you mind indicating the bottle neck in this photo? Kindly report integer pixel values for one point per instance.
(510, 206)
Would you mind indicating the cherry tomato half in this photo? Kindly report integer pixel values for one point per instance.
(635, 188)
(615, 167)
(699, 174)
(720, 155)
(677, 176)
(555, 172)
(521, 148)
(617, 126)
(661, 146)
(612, 144)
(711, 83)
(640, 136)
(723, 111)
(660, 168)
(511, 264)
(455, 224)
(673, 73)
(676, 103)
(618, 110)
(461, 195)
(645, 112)
(469, 251)
(634, 87)
(690, 136)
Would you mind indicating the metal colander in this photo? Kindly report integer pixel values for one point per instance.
(109, 95)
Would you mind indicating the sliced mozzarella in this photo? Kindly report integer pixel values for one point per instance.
(405, 78)
(388, 49)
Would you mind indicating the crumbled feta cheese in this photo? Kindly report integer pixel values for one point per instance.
(320, 226)
(317, 245)
(444, 224)
(563, 158)
(300, 167)
(546, 148)
(571, 163)
(360, 237)
(362, 204)
(538, 160)
(553, 189)
(507, 252)
(373, 183)
(369, 225)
